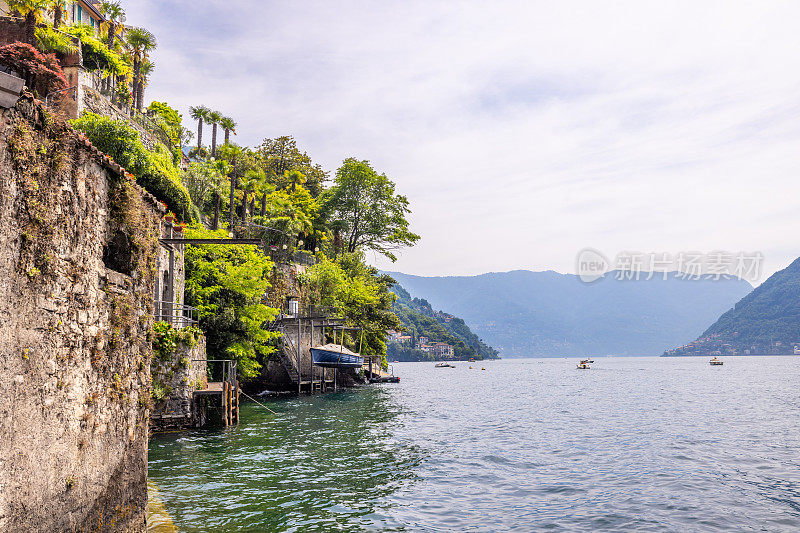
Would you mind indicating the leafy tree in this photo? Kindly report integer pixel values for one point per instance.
(360, 294)
(228, 284)
(363, 205)
(281, 155)
(42, 72)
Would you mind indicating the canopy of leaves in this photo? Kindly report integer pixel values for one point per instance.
(153, 170)
(228, 284)
(363, 205)
(42, 72)
(361, 296)
(281, 155)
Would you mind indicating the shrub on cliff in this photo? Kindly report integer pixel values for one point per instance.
(153, 170)
(41, 72)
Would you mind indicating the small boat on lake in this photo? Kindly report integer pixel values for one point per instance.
(584, 364)
(715, 362)
(471, 359)
(444, 365)
(336, 356)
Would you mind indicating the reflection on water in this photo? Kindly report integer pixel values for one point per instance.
(158, 519)
(321, 463)
(647, 444)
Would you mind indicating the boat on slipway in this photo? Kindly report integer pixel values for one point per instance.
(336, 356)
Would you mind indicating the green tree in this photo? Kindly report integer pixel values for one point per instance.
(364, 206)
(281, 155)
(360, 294)
(228, 284)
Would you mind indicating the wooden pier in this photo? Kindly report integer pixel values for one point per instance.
(224, 393)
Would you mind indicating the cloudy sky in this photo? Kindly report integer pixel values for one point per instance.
(522, 132)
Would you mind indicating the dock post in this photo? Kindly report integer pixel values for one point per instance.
(299, 359)
(237, 402)
(311, 360)
(225, 402)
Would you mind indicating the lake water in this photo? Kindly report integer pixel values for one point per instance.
(647, 444)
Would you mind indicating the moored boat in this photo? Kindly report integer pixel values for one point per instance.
(584, 364)
(715, 362)
(444, 365)
(336, 356)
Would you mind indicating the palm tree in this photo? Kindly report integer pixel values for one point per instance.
(214, 118)
(141, 42)
(33, 12)
(199, 113)
(58, 12)
(229, 126)
(145, 70)
(114, 15)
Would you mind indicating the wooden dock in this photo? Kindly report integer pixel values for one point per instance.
(226, 391)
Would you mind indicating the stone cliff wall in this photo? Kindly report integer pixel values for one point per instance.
(178, 376)
(77, 264)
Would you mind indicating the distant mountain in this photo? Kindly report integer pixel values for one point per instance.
(523, 313)
(766, 321)
(420, 319)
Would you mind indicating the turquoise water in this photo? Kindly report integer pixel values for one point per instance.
(647, 444)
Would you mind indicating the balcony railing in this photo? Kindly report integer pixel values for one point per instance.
(180, 316)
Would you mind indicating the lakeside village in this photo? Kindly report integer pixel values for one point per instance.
(149, 279)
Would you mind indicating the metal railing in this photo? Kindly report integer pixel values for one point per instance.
(179, 315)
(221, 370)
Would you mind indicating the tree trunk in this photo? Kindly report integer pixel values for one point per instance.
(140, 95)
(135, 84)
(30, 28)
(215, 224)
(245, 196)
(57, 16)
(214, 140)
(264, 205)
(233, 202)
(200, 132)
(253, 205)
(227, 135)
(111, 32)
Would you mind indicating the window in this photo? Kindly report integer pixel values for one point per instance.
(79, 11)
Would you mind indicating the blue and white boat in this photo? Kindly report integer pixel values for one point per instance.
(336, 356)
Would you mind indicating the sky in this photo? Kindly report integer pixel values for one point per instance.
(521, 132)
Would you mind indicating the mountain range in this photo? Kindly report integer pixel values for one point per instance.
(524, 313)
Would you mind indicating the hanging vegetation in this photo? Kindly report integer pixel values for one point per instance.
(153, 170)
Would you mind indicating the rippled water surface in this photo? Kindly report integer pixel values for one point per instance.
(647, 444)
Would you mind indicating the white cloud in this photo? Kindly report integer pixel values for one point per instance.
(521, 131)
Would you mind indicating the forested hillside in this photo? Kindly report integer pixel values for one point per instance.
(765, 322)
(419, 319)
